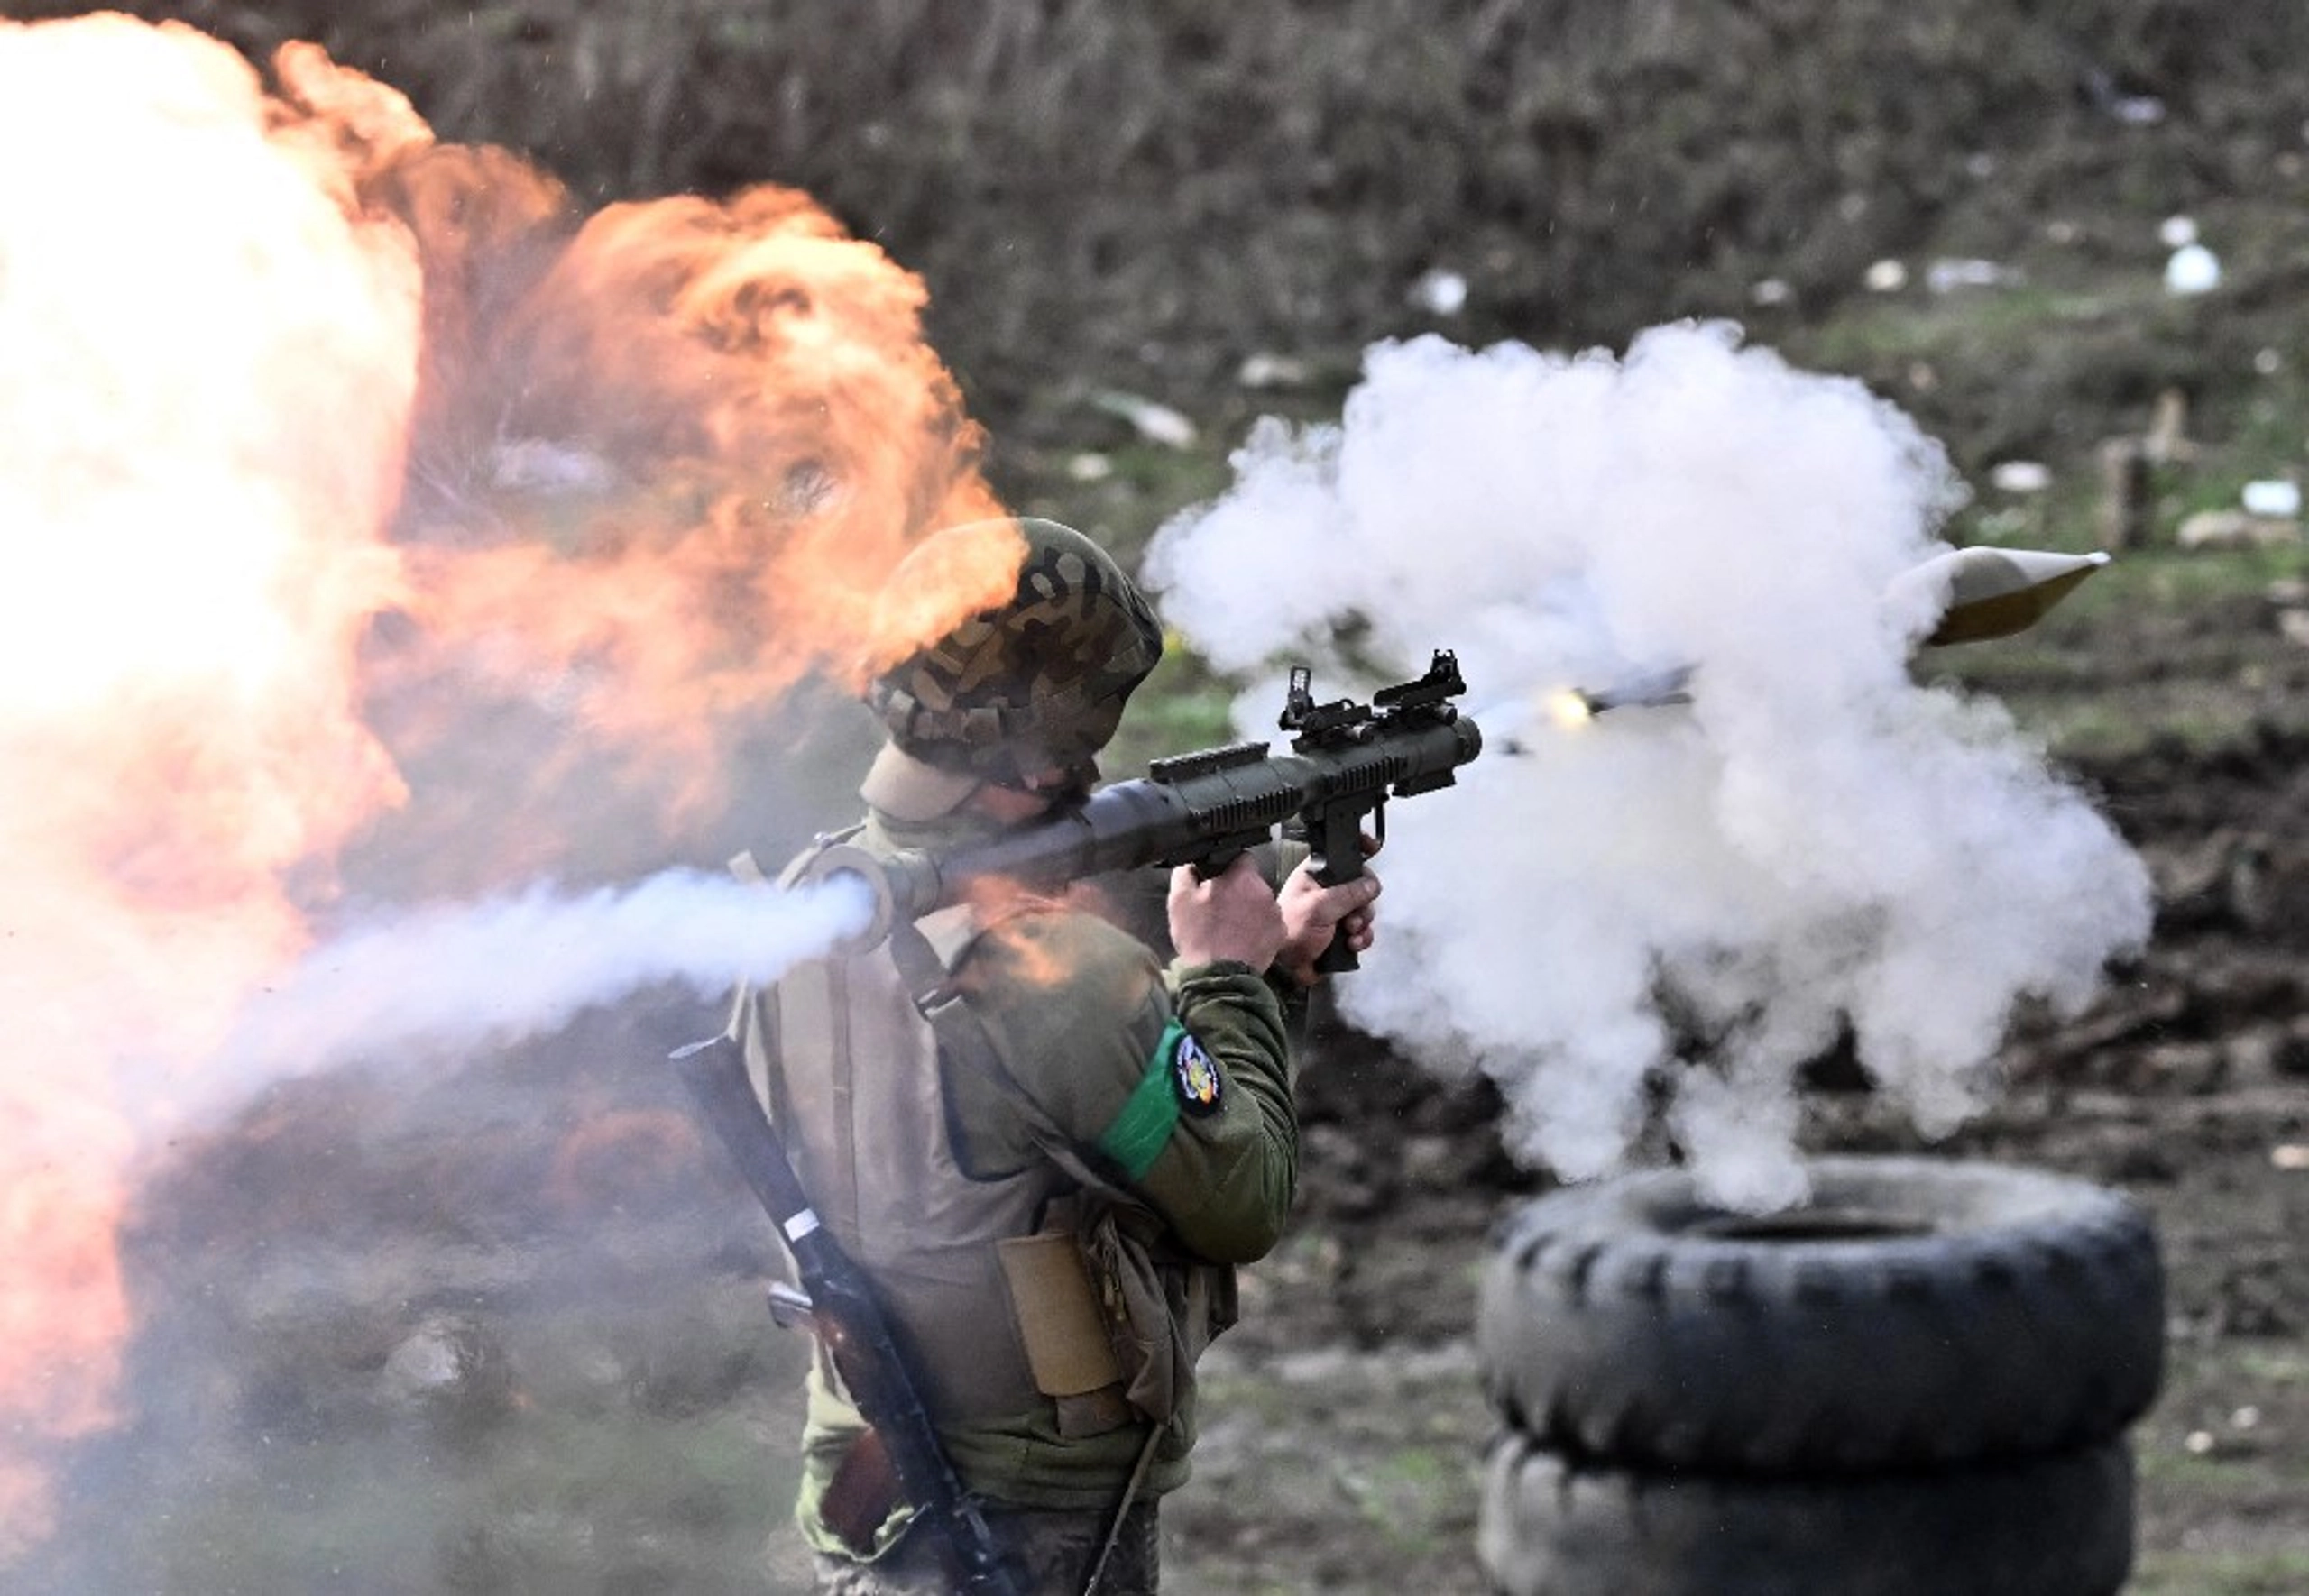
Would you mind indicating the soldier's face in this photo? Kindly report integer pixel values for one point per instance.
(1039, 794)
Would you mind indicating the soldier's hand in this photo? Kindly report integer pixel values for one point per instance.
(1313, 915)
(1233, 914)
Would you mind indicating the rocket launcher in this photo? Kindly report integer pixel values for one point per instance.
(1345, 761)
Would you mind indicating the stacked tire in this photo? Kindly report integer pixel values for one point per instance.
(1917, 1384)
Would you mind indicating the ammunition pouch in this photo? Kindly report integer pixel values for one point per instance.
(1113, 1317)
(1062, 1327)
(1163, 1308)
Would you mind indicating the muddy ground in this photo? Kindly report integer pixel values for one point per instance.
(1346, 1461)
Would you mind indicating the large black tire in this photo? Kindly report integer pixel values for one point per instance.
(2055, 1526)
(1913, 1313)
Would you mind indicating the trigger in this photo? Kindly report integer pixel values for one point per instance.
(1217, 864)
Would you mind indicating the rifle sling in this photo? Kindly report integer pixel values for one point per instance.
(963, 1038)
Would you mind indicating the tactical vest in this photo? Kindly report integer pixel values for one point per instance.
(1045, 1285)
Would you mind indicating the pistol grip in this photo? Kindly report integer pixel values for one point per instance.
(1337, 858)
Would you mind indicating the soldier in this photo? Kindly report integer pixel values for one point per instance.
(1051, 1176)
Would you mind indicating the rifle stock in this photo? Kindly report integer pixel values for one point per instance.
(848, 1318)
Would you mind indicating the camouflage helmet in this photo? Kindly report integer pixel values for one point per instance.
(1035, 683)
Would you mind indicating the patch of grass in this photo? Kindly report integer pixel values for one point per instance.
(1915, 324)
(2118, 728)
(1417, 1498)
(1185, 705)
(2222, 1573)
(2278, 1367)
(2161, 1463)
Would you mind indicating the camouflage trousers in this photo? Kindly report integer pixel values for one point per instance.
(1055, 1551)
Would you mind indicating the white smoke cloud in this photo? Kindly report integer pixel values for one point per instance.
(1812, 841)
(513, 968)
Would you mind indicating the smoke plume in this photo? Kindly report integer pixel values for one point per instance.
(521, 965)
(1687, 898)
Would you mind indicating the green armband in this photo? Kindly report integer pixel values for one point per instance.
(1138, 1133)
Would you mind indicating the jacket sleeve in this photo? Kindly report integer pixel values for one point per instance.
(1180, 1082)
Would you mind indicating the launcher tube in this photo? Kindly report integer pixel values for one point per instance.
(1201, 808)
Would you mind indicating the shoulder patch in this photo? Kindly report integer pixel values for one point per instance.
(1195, 1076)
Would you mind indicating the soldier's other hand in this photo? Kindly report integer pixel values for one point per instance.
(1233, 914)
(1313, 915)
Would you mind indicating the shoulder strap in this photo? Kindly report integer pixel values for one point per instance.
(961, 1037)
(757, 1013)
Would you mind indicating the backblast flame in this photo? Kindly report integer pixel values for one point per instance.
(351, 481)
(726, 432)
(664, 456)
(210, 368)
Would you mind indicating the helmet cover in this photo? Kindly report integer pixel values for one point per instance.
(1033, 684)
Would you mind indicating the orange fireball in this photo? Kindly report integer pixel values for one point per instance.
(355, 486)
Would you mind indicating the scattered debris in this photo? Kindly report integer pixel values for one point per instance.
(1090, 466)
(2021, 476)
(1156, 423)
(2131, 107)
(1440, 291)
(2289, 1155)
(2193, 269)
(451, 1367)
(2276, 496)
(1262, 370)
(1886, 277)
(1949, 277)
(2222, 529)
(1772, 293)
(2177, 231)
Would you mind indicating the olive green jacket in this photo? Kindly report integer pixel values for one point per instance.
(1083, 1017)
